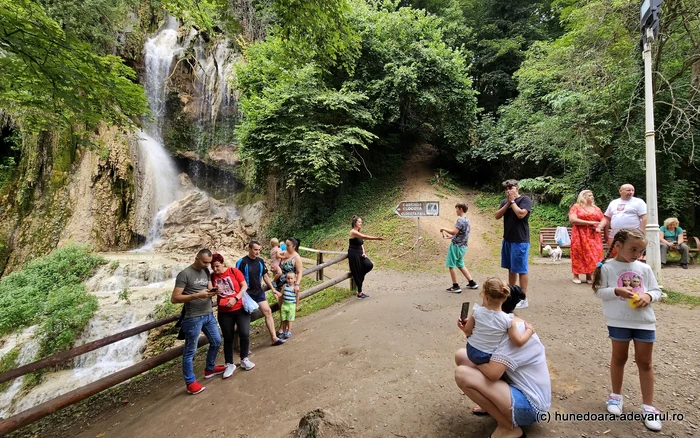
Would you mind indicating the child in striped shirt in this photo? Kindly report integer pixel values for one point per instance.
(290, 304)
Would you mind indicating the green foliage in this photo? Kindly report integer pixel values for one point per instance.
(124, 295)
(317, 31)
(499, 34)
(300, 128)
(204, 14)
(310, 129)
(442, 178)
(368, 199)
(578, 120)
(48, 77)
(49, 292)
(167, 308)
(8, 362)
(96, 22)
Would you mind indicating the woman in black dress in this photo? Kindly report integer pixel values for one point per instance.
(360, 265)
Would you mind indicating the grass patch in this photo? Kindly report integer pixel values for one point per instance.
(314, 303)
(7, 362)
(681, 298)
(49, 292)
(488, 202)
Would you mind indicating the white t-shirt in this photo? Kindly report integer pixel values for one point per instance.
(625, 214)
(489, 328)
(526, 368)
(617, 311)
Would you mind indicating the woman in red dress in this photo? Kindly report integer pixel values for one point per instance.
(586, 242)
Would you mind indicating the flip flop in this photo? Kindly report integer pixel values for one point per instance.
(521, 436)
(279, 342)
(477, 410)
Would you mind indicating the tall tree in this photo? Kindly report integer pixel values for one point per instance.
(49, 77)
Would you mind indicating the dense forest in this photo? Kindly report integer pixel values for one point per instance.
(334, 93)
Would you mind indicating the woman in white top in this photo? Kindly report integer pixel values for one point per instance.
(527, 397)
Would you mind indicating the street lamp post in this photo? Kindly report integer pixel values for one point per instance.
(649, 20)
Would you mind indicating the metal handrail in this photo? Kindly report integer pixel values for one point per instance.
(37, 412)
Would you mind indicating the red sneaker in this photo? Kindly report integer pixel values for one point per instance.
(195, 388)
(218, 369)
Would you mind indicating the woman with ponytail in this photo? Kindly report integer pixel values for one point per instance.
(629, 317)
(360, 265)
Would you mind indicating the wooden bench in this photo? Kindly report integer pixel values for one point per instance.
(547, 238)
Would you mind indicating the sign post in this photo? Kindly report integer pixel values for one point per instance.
(418, 209)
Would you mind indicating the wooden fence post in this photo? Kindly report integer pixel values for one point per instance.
(319, 261)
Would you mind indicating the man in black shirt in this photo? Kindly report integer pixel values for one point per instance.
(254, 270)
(515, 248)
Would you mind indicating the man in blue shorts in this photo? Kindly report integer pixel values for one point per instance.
(515, 211)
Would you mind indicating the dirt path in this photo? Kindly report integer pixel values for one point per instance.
(385, 364)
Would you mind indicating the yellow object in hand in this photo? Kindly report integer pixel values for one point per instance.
(633, 301)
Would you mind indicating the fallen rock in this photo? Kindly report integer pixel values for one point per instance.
(321, 423)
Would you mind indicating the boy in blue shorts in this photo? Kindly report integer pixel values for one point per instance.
(515, 211)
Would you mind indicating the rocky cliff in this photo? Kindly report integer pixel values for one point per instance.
(68, 190)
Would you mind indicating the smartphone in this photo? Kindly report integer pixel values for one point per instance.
(214, 289)
(465, 311)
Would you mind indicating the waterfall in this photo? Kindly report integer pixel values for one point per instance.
(160, 183)
(149, 278)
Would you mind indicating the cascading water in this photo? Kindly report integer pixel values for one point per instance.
(217, 112)
(148, 278)
(160, 183)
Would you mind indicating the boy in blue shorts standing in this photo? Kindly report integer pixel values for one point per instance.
(515, 211)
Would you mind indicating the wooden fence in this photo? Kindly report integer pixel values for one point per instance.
(37, 412)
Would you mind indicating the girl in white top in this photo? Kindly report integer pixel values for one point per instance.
(488, 324)
(630, 317)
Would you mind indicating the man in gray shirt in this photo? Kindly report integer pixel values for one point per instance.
(193, 289)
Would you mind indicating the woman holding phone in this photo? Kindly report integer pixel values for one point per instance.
(231, 286)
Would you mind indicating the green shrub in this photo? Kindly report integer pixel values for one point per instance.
(49, 292)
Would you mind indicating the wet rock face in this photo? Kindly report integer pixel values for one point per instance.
(199, 221)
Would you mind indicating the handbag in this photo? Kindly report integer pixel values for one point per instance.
(181, 333)
(249, 304)
(562, 236)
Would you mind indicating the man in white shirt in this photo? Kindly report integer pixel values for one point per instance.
(624, 212)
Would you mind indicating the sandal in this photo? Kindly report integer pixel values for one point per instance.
(477, 410)
(279, 342)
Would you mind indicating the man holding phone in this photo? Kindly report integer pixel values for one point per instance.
(194, 290)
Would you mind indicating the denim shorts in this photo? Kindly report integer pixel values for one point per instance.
(514, 256)
(477, 356)
(627, 334)
(524, 414)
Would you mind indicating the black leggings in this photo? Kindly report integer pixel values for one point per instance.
(227, 321)
(359, 267)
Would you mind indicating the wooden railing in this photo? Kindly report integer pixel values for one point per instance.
(37, 412)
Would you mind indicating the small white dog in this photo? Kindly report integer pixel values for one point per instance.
(555, 253)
